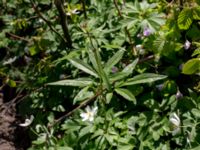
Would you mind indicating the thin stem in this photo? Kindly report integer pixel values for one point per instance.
(63, 21)
(45, 20)
(125, 29)
(83, 104)
(84, 8)
(16, 37)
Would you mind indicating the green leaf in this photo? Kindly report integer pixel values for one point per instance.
(83, 94)
(64, 148)
(113, 61)
(192, 66)
(185, 18)
(83, 66)
(126, 94)
(109, 97)
(196, 52)
(143, 78)
(129, 69)
(117, 76)
(11, 83)
(196, 13)
(81, 82)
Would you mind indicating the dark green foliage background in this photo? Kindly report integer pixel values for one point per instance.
(155, 75)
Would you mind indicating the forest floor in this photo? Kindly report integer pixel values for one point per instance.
(12, 136)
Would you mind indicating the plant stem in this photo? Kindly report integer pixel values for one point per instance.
(45, 20)
(83, 104)
(84, 8)
(64, 23)
(125, 29)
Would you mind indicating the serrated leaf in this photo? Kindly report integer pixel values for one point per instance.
(196, 13)
(143, 78)
(113, 61)
(83, 66)
(81, 82)
(185, 18)
(192, 66)
(126, 94)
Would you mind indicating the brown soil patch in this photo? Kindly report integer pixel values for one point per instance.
(12, 137)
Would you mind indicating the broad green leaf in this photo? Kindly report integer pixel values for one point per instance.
(185, 19)
(192, 66)
(83, 94)
(143, 78)
(113, 61)
(126, 94)
(83, 66)
(81, 82)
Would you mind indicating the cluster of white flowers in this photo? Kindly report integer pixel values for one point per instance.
(89, 114)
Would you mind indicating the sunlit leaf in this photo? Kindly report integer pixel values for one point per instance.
(113, 61)
(192, 66)
(185, 19)
(83, 66)
(81, 82)
(143, 78)
(126, 94)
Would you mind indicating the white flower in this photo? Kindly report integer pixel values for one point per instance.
(89, 114)
(27, 122)
(187, 44)
(175, 120)
(10, 61)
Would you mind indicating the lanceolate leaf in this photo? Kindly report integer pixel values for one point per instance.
(129, 69)
(83, 66)
(185, 18)
(126, 94)
(113, 60)
(143, 78)
(81, 82)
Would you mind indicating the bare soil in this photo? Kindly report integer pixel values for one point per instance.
(12, 136)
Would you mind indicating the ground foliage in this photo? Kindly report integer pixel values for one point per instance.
(135, 63)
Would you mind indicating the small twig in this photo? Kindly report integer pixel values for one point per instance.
(83, 104)
(16, 37)
(146, 59)
(45, 20)
(125, 29)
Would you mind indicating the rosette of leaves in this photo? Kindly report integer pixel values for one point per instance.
(100, 77)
